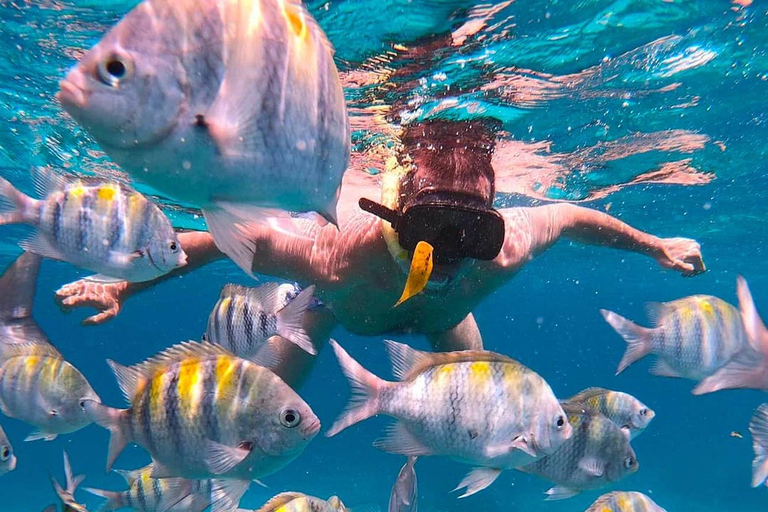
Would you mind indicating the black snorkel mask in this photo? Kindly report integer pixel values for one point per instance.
(456, 224)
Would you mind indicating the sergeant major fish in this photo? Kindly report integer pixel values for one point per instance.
(298, 502)
(621, 501)
(36, 384)
(201, 413)
(477, 407)
(147, 494)
(692, 337)
(405, 492)
(244, 318)
(106, 228)
(230, 105)
(7, 458)
(623, 409)
(597, 454)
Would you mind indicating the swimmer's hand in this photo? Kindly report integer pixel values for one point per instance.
(681, 254)
(104, 297)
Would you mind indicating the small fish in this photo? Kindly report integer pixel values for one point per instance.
(298, 502)
(477, 407)
(621, 501)
(748, 368)
(203, 413)
(693, 337)
(758, 427)
(596, 455)
(736, 435)
(36, 384)
(147, 494)
(105, 228)
(418, 275)
(244, 319)
(234, 106)
(7, 458)
(67, 495)
(623, 409)
(405, 493)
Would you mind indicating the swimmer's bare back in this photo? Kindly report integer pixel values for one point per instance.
(359, 281)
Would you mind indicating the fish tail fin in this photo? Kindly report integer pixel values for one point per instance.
(226, 494)
(746, 370)
(15, 206)
(758, 426)
(289, 320)
(114, 499)
(366, 388)
(638, 338)
(113, 420)
(72, 482)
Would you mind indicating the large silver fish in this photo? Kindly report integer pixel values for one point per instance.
(103, 227)
(748, 368)
(7, 458)
(203, 413)
(623, 409)
(147, 494)
(298, 502)
(477, 407)
(230, 105)
(244, 318)
(596, 455)
(36, 384)
(405, 492)
(693, 337)
(622, 501)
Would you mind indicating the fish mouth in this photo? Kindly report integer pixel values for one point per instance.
(71, 94)
(312, 428)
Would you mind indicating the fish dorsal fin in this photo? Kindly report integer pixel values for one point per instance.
(230, 289)
(266, 293)
(32, 348)
(130, 379)
(336, 503)
(132, 475)
(656, 311)
(278, 501)
(586, 394)
(178, 353)
(46, 180)
(408, 362)
(17, 287)
(603, 501)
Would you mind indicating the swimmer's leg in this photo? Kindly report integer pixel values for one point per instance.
(294, 364)
(465, 336)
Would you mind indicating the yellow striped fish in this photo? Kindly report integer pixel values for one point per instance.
(621, 501)
(7, 458)
(693, 337)
(477, 407)
(623, 409)
(234, 106)
(202, 413)
(298, 502)
(103, 227)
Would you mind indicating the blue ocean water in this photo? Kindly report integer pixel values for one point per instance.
(598, 94)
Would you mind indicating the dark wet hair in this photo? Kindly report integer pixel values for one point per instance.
(450, 156)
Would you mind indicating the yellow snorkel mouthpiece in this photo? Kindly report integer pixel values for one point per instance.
(418, 275)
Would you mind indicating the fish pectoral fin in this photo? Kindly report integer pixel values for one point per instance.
(40, 245)
(398, 439)
(101, 278)
(36, 435)
(160, 470)
(477, 480)
(226, 494)
(592, 466)
(125, 258)
(662, 369)
(176, 491)
(221, 458)
(560, 493)
(523, 444)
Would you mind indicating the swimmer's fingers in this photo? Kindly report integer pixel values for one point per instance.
(103, 297)
(682, 255)
(104, 316)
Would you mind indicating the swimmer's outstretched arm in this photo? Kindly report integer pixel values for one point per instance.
(531, 231)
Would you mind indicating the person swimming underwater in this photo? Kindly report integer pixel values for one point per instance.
(440, 188)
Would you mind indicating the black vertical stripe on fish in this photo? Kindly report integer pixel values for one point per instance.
(262, 323)
(230, 321)
(157, 490)
(679, 342)
(248, 323)
(55, 220)
(146, 418)
(142, 497)
(274, 64)
(85, 222)
(172, 405)
(143, 225)
(216, 331)
(209, 416)
(322, 131)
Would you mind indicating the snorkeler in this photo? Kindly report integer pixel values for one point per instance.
(439, 189)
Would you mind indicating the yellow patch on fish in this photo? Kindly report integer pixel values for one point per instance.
(76, 191)
(190, 386)
(225, 376)
(706, 307)
(443, 372)
(421, 269)
(135, 206)
(479, 373)
(106, 192)
(624, 503)
(295, 21)
(30, 362)
(156, 398)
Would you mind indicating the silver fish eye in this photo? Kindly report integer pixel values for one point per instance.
(560, 422)
(629, 462)
(115, 68)
(5, 453)
(174, 247)
(643, 412)
(290, 417)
